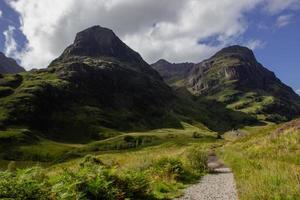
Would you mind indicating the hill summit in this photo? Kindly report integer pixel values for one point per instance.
(98, 41)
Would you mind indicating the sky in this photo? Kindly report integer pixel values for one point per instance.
(34, 32)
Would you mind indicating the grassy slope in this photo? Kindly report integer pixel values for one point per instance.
(168, 143)
(172, 144)
(24, 143)
(47, 151)
(266, 162)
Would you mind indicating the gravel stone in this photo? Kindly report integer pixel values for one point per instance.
(218, 185)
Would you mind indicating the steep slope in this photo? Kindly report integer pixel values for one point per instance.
(97, 82)
(172, 73)
(234, 77)
(97, 89)
(9, 65)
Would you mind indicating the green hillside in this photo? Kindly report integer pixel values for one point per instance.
(100, 123)
(236, 79)
(266, 162)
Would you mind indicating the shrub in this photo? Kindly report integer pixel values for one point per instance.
(93, 180)
(170, 168)
(25, 184)
(197, 159)
(135, 184)
(88, 182)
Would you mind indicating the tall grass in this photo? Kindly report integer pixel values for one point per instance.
(266, 163)
(93, 178)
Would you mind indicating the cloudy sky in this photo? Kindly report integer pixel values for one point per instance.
(37, 31)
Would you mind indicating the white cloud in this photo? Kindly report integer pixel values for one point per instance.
(170, 29)
(10, 45)
(284, 20)
(298, 91)
(0, 13)
(276, 6)
(255, 44)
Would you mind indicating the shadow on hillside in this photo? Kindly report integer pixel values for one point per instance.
(211, 113)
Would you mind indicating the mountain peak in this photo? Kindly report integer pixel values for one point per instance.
(236, 50)
(95, 35)
(161, 61)
(98, 41)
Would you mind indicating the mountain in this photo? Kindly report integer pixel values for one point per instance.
(99, 42)
(172, 72)
(234, 77)
(9, 65)
(97, 82)
(98, 88)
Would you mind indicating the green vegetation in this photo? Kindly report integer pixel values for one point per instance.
(24, 145)
(266, 162)
(237, 80)
(158, 164)
(100, 123)
(154, 172)
(254, 103)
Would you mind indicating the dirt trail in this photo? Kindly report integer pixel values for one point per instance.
(218, 185)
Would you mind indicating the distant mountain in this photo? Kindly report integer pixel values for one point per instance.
(234, 77)
(9, 65)
(172, 72)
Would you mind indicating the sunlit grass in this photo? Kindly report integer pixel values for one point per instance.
(266, 163)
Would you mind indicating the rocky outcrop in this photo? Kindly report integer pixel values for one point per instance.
(9, 65)
(234, 77)
(172, 71)
(234, 63)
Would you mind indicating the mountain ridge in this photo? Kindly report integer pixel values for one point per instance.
(80, 93)
(86, 95)
(9, 65)
(234, 77)
(171, 72)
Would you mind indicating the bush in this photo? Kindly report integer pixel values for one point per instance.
(93, 180)
(197, 159)
(170, 168)
(135, 184)
(25, 184)
(87, 183)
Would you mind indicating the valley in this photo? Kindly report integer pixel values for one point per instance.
(101, 123)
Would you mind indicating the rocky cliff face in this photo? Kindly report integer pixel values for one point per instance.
(9, 65)
(234, 77)
(171, 72)
(232, 64)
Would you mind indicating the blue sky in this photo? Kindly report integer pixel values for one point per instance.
(281, 50)
(275, 35)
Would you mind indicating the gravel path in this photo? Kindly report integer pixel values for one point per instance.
(218, 185)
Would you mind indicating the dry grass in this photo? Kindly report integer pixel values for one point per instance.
(266, 163)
